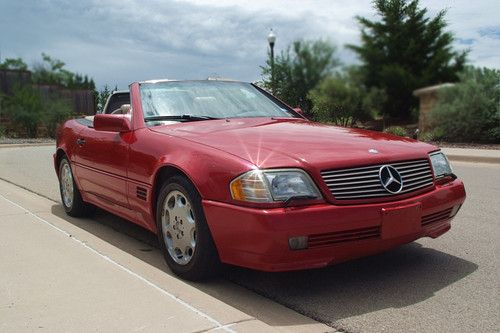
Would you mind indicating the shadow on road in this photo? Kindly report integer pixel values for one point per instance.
(399, 278)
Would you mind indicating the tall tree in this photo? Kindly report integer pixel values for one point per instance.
(298, 69)
(406, 50)
(14, 64)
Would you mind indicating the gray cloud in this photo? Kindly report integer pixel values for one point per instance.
(118, 41)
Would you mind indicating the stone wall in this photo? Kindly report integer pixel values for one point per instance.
(428, 97)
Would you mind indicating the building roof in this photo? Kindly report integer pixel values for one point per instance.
(431, 89)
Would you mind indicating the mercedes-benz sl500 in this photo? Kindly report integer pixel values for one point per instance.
(223, 172)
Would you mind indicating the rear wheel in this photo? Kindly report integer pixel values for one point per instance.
(183, 233)
(70, 195)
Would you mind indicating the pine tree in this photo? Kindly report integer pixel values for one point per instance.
(298, 69)
(406, 50)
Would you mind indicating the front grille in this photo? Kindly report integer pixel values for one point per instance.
(436, 217)
(320, 240)
(364, 182)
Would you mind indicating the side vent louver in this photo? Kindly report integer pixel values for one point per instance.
(142, 193)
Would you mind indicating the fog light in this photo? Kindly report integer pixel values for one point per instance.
(455, 210)
(297, 243)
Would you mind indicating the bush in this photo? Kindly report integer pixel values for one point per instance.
(397, 130)
(437, 134)
(56, 112)
(25, 107)
(343, 101)
(470, 110)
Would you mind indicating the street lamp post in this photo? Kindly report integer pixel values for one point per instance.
(271, 38)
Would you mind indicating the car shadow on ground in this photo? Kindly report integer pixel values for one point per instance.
(398, 278)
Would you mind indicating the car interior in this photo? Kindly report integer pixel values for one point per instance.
(119, 103)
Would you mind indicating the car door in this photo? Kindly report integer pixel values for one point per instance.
(101, 164)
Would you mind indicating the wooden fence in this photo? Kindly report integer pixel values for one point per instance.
(81, 100)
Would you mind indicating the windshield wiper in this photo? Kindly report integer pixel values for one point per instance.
(188, 117)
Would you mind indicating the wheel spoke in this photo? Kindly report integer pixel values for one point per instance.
(179, 227)
(66, 181)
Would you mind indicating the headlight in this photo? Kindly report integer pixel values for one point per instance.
(440, 165)
(273, 186)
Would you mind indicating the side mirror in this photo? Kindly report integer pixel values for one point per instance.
(112, 122)
(299, 111)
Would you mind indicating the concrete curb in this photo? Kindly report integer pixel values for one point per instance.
(24, 145)
(472, 155)
(475, 159)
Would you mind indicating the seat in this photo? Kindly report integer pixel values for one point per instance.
(124, 109)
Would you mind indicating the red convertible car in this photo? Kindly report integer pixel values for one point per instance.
(223, 172)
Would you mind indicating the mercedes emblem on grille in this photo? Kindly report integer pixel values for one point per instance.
(391, 179)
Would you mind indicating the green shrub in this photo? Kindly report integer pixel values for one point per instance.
(396, 130)
(470, 110)
(56, 112)
(25, 108)
(437, 134)
(340, 100)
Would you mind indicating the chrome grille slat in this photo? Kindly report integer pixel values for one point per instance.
(410, 166)
(326, 172)
(356, 187)
(376, 181)
(347, 174)
(348, 178)
(417, 178)
(363, 191)
(414, 170)
(364, 183)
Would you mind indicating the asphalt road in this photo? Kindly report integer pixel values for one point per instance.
(450, 284)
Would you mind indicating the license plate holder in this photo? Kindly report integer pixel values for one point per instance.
(401, 220)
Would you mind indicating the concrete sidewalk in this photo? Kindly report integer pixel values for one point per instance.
(472, 155)
(57, 277)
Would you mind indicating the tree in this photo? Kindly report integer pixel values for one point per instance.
(406, 50)
(56, 111)
(25, 107)
(299, 69)
(343, 100)
(470, 110)
(52, 71)
(101, 97)
(14, 64)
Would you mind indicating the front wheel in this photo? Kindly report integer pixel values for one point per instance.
(183, 233)
(70, 195)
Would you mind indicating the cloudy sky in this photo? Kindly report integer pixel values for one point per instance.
(120, 41)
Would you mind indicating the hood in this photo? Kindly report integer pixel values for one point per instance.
(292, 142)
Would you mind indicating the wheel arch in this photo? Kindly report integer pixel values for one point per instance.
(60, 153)
(163, 173)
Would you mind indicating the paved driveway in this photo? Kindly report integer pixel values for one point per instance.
(449, 284)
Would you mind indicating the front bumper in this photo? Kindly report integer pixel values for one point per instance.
(258, 238)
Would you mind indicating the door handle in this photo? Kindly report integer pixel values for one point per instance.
(80, 142)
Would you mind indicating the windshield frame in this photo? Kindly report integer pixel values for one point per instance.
(282, 110)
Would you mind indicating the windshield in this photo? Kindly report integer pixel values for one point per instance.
(201, 100)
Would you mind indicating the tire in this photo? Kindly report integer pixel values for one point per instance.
(183, 233)
(70, 195)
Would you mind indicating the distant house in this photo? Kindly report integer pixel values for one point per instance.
(428, 96)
